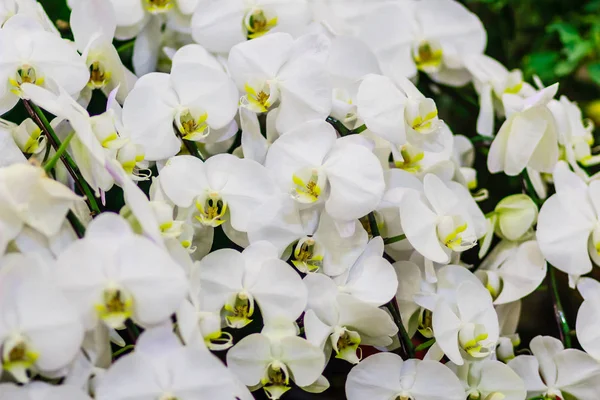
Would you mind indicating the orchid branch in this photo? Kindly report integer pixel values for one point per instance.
(40, 119)
(559, 314)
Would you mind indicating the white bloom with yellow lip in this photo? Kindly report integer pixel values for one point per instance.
(275, 357)
(223, 190)
(467, 328)
(216, 25)
(29, 197)
(489, 380)
(40, 330)
(491, 80)
(162, 368)
(27, 135)
(196, 102)
(385, 376)
(556, 372)
(339, 322)
(309, 237)
(32, 55)
(568, 229)
(512, 270)
(101, 275)
(93, 23)
(442, 219)
(399, 113)
(134, 16)
(314, 167)
(528, 137)
(433, 36)
(278, 70)
(235, 281)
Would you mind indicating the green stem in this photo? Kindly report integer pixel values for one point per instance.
(342, 130)
(123, 350)
(394, 239)
(63, 147)
(76, 224)
(360, 129)
(559, 314)
(405, 341)
(40, 119)
(373, 224)
(425, 345)
(192, 148)
(125, 46)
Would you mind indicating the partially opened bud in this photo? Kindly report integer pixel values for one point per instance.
(516, 216)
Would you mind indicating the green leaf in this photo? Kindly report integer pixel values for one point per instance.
(594, 71)
(542, 64)
(566, 32)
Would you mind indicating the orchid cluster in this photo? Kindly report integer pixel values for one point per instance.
(305, 136)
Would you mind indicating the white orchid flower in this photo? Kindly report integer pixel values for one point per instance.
(350, 59)
(514, 216)
(371, 278)
(385, 376)
(29, 197)
(41, 391)
(161, 368)
(216, 25)
(27, 136)
(467, 329)
(93, 23)
(508, 318)
(399, 113)
(418, 293)
(433, 36)
(568, 229)
(587, 316)
(528, 137)
(96, 139)
(134, 16)
(492, 80)
(574, 133)
(442, 219)
(309, 237)
(101, 275)
(555, 372)
(236, 281)
(337, 321)
(490, 380)
(40, 58)
(512, 270)
(313, 166)
(196, 102)
(276, 69)
(254, 145)
(275, 357)
(224, 190)
(40, 330)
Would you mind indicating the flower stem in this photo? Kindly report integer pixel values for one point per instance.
(123, 350)
(125, 46)
(559, 314)
(63, 147)
(425, 345)
(40, 119)
(530, 189)
(394, 239)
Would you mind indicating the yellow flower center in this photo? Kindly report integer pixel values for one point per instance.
(191, 128)
(212, 210)
(257, 23)
(116, 307)
(239, 311)
(158, 6)
(306, 258)
(99, 77)
(428, 57)
(25, 74)
(18, 357)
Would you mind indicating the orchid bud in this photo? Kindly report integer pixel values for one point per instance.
(516, 216)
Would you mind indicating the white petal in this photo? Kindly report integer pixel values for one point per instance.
(249, 358)
(377, 377)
